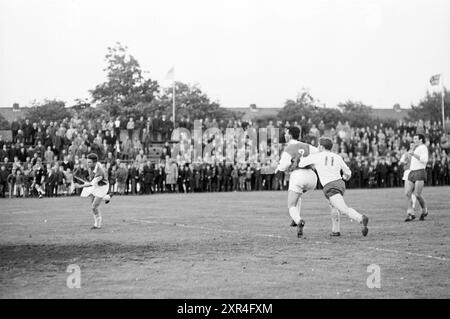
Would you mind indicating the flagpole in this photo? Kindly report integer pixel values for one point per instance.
(173, 107)
(442, 101)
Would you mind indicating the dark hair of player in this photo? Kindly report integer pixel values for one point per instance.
(326, 142)
(421, 137)
(93, 157)
(294, 131)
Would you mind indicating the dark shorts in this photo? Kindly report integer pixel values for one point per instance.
(417, 175)
(333, 188)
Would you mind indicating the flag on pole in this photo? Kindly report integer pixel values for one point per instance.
(435, 79)
(171, 74)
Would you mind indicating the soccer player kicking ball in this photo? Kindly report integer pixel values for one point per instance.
(328, 166)
(97, 188)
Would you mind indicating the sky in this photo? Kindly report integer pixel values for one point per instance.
(239, 52)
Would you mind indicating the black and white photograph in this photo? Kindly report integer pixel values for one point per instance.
(239, 152)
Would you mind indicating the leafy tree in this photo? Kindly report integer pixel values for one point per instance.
(430, 107)
(126, 86)
(191, 101)
(49, 110)
(303, 105)
(306, 105)
(141, 109)
(356, 113)
(329, 116)
(80, 105)
(93, 113)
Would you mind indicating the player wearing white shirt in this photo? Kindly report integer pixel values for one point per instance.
(416, 177)
(328, 166)
(97, 188)
(405, 159)
(300, 180)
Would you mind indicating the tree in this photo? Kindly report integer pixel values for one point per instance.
(80, 105)
(329, 116)
(303, 105)
(141, 109)
(48, 110)
(306, 105)
(191, 101)
(356, 113)
(430, 107)
(126, 86)
(4, 124)
(93, 113)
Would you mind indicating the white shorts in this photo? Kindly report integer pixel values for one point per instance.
(97, 191)
(406, 174)
(302, 180)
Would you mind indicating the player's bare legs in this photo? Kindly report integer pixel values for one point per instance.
(418, 188)
(414, 201)
(338, 202)
(413, 197)
(409, 190)
(39, 190)
(294, 206)
(335, 221)
(97, 216)
(298, 206)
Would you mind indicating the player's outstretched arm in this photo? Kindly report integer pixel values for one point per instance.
(313, 149)
(285, 162)
(86, 184)
(308, 160)
(345, 169)
(403, 158)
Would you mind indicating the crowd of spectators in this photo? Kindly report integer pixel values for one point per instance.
(137, 154)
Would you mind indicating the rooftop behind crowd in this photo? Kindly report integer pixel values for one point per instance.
(137, 154)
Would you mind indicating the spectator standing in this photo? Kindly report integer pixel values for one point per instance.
(156, 123)
(18, 184)
(130, 128)
(117, 127)
(165, 128)
(3, 180)
(15, 127)
(27, 129)
(171, 175)
(235, 178)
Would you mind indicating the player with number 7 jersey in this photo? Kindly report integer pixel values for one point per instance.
(329, 166)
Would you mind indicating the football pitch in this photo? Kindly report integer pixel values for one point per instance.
(224, 245)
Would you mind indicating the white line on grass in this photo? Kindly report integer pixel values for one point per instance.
(282, 237)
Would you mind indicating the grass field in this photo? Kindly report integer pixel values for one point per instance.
(223, 245)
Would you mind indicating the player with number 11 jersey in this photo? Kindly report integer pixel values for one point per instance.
(329, 167)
